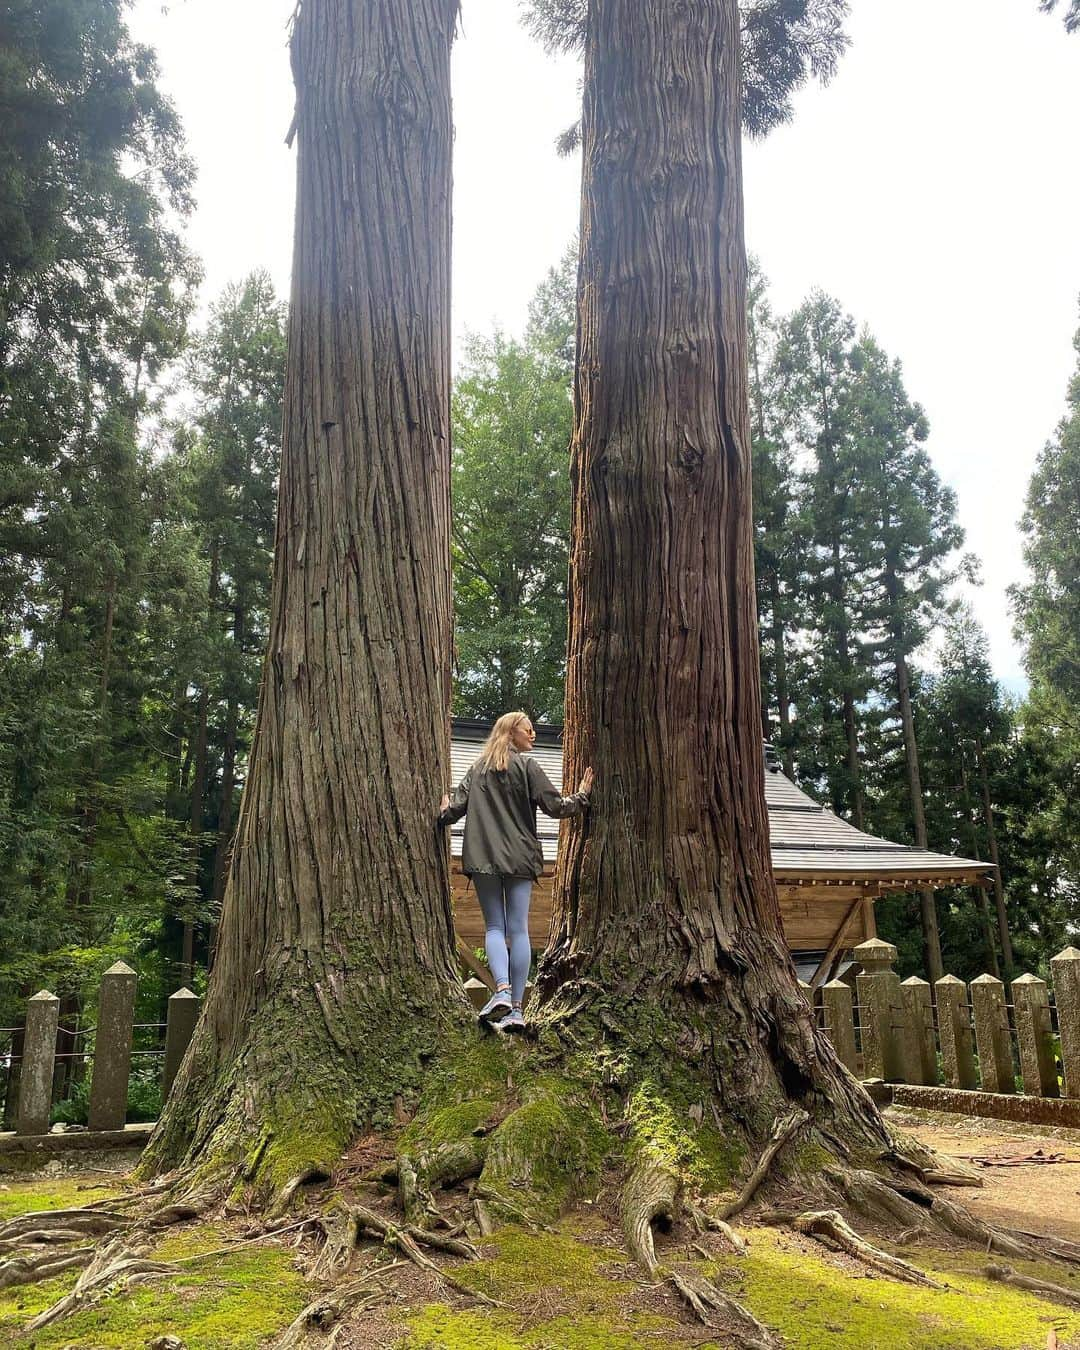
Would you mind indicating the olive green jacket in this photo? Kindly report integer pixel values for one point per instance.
(500, 816)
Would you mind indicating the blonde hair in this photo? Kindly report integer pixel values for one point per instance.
(496, 751)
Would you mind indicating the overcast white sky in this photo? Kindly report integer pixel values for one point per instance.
(932, 188)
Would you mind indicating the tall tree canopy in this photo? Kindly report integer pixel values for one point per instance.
(511, 508)
(784, 44)
(1071, 13)
(95, 288)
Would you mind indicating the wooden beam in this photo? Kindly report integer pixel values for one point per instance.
(827, 960)
(468, 958)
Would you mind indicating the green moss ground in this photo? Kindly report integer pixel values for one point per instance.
(25, 1197)
(564, 1290)
(819, 1305)
(815, 1303)
(589, 1303)
(232, 1302)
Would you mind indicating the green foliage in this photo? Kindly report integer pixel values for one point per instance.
(1071, 15)
(143, 1101)
(512, 417)
(785, 43)
(1047, 611)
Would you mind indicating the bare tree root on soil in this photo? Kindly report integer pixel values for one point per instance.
(498, 1159)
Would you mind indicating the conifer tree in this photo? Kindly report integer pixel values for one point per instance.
(815, 373)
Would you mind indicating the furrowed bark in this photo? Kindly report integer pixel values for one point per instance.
(334, 978)
(664, 893)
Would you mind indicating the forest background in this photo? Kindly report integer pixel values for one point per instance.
(138, 461)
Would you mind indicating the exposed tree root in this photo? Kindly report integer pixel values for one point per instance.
(446, 1165)
(344, 1227)
(1044, 1288)
(282, 1201)
(784, 1128)
(931, 1168)
(326, 1312)
(79, 1223)
(489, 1196)
(483, 1218)
(831, 1226)
(705, 1222)
(917, 1211)
(107, 1273)
(56, 1237)
(32, 1269)
(702, 1298)
(341, 1233)
(651, 1195)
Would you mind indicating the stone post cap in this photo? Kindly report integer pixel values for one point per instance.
(838, 984)
(1069, 954)
(184, 993)
(914, 982)
(43, 996)
(119, 968)
(950, 981)
(987, 979)
(1028, 980)
(875, 952)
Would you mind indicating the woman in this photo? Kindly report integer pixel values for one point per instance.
(501, 853)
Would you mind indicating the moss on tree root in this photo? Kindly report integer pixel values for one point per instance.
(233, 1302)
(598, 1100)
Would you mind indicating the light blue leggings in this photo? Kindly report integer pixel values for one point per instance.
(505, 902)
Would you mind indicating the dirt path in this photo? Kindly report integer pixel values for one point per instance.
(1036, 1197)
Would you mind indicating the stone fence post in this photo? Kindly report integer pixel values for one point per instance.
(1035, 1036)
(838, 1000)
(112, 1048)
(880, 1010)
(39, 1056)
(180, 1023)
(954, 1032)
(919, 1019)
(992, 1036)
(1065, 972)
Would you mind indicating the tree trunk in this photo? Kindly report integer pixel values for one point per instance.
(666, 927)
(783, 698)
(334, 983)
(851, 725)
(980, 895)
(69, 1068)
(198, 791)
(927, 908)
(991, 844)
(223, 850)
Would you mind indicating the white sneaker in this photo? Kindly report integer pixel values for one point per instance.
(497, 1005)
